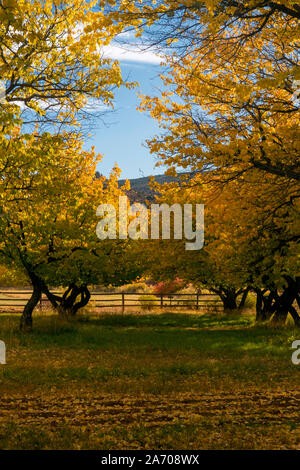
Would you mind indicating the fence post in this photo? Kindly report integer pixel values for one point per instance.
(161, 300)
(123, 302)
(197, 304)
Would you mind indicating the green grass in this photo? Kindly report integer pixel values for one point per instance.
(164, 381)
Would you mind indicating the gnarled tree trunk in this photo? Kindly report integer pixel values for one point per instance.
(229, 296)
(264, 304)
(71, 301)
(26, 318)
(69, 305)
(244, 298)
(284, 302)
(271, 303)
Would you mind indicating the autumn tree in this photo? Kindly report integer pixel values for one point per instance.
(232, 83)
(52, 61)
(108, 262)
(49, 196)
(55, 74)
(251, 243)
(11, 276)
(229, 112)
(216, 267)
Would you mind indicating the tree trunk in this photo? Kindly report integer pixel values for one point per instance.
(295, 316)
(26, 318)
(267, 305)
(284, 302)
(53, 299)
(229, 297)
(279, 317)
(66, 305)
(259, 306)
(244, 298)
(279, 304)
(69, 305)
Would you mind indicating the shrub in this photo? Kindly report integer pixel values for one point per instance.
(189, 289)
(169, 287)
(135, 287)
(147, 302)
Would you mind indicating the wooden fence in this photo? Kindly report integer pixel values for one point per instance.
(15, 300)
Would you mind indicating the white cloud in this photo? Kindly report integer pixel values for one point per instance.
(126, 52)
(131, 54)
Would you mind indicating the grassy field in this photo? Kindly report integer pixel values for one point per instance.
(160, 381)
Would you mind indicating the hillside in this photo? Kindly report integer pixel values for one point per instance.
(140, 190)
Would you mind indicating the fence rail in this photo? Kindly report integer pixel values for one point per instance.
(16, 300)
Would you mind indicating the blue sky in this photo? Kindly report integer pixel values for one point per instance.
(121, 140)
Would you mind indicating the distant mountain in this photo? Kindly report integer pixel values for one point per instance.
(140, 190)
